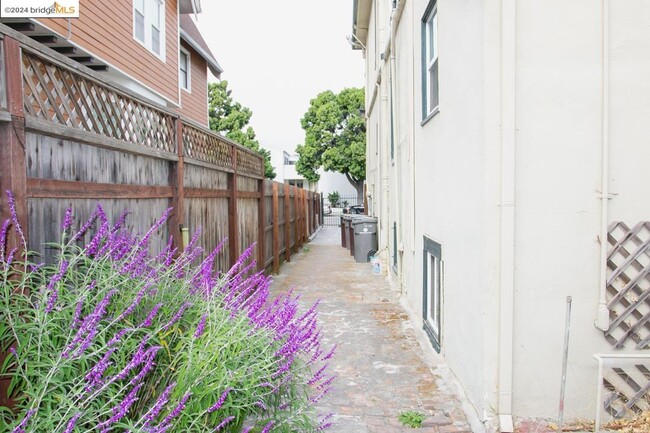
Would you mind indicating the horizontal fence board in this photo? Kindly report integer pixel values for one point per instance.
(45, 219)
(48, 188)
(56, 158)
(197, 176)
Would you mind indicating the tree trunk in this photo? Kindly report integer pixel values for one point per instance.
(358, 185)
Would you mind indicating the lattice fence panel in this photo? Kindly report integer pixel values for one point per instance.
(627, 390)
(628, 285)
(207, 147)
(249, 164)
(62, 96)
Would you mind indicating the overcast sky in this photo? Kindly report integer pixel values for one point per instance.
(277, 55)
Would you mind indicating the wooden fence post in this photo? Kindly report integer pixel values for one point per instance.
(177, 174)
(276, 229)
(296, 218)
(13, 175)
(261, 217)
(287, 222)
(233, 221)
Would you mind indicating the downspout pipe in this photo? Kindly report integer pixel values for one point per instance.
(507, 258)
(602, 317)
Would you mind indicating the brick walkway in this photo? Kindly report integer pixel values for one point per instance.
(379, 363)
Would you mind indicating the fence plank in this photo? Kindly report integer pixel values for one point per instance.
(276, 229)
(233, 233)
(177, 181)
(287, 222)
(261, 224)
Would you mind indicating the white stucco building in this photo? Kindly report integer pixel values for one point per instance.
(505, 140)
(329, 181)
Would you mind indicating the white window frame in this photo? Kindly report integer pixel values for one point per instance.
(148, 24)
(430, 63)
(189, 70)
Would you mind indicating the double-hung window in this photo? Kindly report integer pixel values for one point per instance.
(149, 25)
(430, 99)
(184, 70)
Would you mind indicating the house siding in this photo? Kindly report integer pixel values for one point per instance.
(105, 29)
(194, 104)
(456, 199)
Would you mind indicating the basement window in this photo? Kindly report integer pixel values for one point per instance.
(432, 277)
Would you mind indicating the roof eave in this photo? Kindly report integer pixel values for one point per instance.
(213, 65)
(360, 22)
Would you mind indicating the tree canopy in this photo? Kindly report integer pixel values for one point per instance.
(335, 137)
(230, 119)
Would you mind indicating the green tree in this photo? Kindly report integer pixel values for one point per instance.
(230, 119)
(335, 137)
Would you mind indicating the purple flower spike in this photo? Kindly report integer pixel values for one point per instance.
(14, 215)
(200, 329)
(152, 314)
(52, 286)
(159, 405)
(3, 238)
(220, 402)
(177, 410)
(72, 423)
(224, 423)
(20, 428)
(67, 220)
(267, 428)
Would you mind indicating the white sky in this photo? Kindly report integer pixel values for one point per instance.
(277, 55)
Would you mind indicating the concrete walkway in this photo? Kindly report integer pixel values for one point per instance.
(380, 364)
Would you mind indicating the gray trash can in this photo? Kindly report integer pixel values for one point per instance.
(365, 238)
(346, 223)
(344, 230)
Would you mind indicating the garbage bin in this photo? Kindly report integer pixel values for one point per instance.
(344, 244)
(350, 231)
(346, 238)
(365, 238)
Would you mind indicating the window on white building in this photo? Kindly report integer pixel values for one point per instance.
(185, 70)
(430, 99)
(432, 291)
(149, 25)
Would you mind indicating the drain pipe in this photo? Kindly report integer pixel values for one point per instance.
(602, 318)
(507, 258)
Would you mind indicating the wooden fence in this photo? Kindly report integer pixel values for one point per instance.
(70, 138)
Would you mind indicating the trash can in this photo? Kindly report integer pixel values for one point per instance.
(343, 232)
(365, 238)
(350, 231)
(346, 230)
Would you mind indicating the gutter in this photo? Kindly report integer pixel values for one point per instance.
(507, 254)
(213, 65)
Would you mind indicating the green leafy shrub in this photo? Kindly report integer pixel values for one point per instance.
(111, 339)
(334, 197)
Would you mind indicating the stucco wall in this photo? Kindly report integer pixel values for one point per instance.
(559, 136)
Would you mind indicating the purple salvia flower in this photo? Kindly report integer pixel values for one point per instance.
(67, 219)
(177, 410)
(20, 428)
(177, 316)
(120, 410)
(72, 423)
(152, 314)
(157, 224)
(117, 337)
(223, 423)
(248, 429)
(327, 383)
(52, 286)
(3, 238)
(10, 257)
(317, 376)
(159, 405)
(14, 215)
(267, 428)
(195, 238)
(138, 358)
(201, 326)
(261, 405)
(120, 221)
(138, 298)
(82, 231)
(94, 376)
(220, 402)
(150, 355)
(76, 320)
(330, 353)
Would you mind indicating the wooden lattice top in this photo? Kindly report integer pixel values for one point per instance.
(628, 285)
(60, 95)
(207, 147)
(249, 163)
